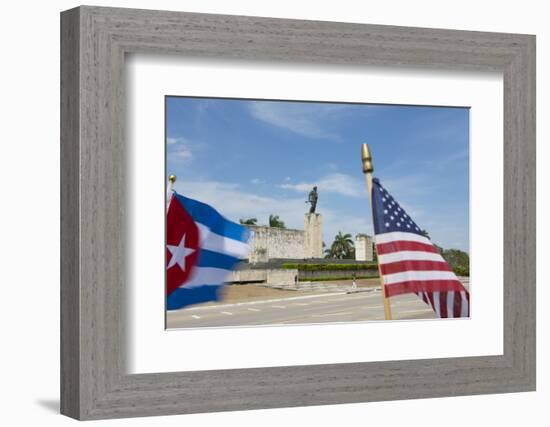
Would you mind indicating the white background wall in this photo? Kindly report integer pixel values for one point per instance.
(29, 233)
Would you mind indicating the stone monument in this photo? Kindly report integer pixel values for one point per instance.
(363, 248)
(312, 200)
(313, 228)
(313, 235)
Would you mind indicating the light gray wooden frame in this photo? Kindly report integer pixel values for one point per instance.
(94, 41)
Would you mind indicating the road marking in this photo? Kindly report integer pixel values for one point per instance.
(415, 311)
(218, 306)
(301, 303)
(254, 309)
(341, 313)
(194, 316)
(409, 301)
(227, 312)
(360, 295)
(278, 306)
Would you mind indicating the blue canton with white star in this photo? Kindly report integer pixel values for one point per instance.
(389, 216)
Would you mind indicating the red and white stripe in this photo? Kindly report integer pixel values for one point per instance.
(410, 263)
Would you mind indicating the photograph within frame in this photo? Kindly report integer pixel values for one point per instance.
(243, 249)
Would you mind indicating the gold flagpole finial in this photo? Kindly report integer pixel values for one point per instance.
(366, 158)
(171, 179)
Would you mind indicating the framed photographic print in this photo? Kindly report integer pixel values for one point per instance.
(323, 212)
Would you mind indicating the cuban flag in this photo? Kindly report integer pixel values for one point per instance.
(202, 248)
(410, 263)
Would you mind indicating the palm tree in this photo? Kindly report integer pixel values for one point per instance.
(342, 247)
(249, 221)
(275, 221)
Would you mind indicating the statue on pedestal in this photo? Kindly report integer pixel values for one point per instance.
(312, 200)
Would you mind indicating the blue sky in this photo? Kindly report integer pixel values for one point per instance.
(254, 158)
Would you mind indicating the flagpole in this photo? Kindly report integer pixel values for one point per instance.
(171, 180)
(368, 169)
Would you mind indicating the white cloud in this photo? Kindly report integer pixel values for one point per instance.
(257, 181)
(305, 119)
(333, 183)
(454, 158)
(406, 189)
(179, 148)
(234, 203)
(458, 158)
(335, 221)
(180, 140)
(302, 187)
(183, 153)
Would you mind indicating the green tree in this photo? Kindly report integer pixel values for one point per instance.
(275, 221)
(458, 260)
(249, 221)
(341, 248)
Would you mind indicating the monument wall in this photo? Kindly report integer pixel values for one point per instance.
(273, 242)
(272, 276)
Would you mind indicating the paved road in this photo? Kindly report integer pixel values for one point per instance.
(314, 308)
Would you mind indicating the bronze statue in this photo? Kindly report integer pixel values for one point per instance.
(312, 199)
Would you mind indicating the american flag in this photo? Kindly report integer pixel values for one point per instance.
(410, 263)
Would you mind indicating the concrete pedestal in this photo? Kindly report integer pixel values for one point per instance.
(313, 236)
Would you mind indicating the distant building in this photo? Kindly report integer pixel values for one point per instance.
(363, 248)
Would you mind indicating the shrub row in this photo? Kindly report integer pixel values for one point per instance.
(329, 278)
(329, 267)
(461, 270)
